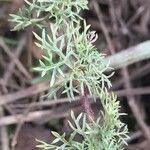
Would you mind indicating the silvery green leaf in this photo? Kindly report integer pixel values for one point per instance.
(38, 45)
(53, 78)
(55, 141)
(37, 36)
(41, 63)
(61, 72)
(55, 134)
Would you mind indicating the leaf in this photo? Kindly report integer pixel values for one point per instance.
(53, 78)
(55, 141)
(55, 134)
(41, 63)
(44, 73)
(61, 72)
(37, 36)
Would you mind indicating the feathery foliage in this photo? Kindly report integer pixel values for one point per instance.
(74, 65)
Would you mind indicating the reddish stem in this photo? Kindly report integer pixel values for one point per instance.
(87, 106)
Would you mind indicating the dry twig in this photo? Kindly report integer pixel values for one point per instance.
(134, 106)
(13, 57)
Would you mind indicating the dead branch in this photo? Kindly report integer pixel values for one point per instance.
(35, 89)
(12, 56)
(129, 56)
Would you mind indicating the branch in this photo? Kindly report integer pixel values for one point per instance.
(129, 56)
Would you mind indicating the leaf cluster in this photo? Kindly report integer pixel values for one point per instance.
(78, 61)
(37, 11)
(106, 133)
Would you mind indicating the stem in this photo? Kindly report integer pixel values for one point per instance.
(87, 106)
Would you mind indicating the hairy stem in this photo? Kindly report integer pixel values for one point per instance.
(86, 105)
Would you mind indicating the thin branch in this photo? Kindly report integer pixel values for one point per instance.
(134, 106)
(19, 125)
(103, 26)
(36, 116)
(12, 56)
(136, 74)
(38, 88)
(11, 66)
(35, 89)
(3, 134)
